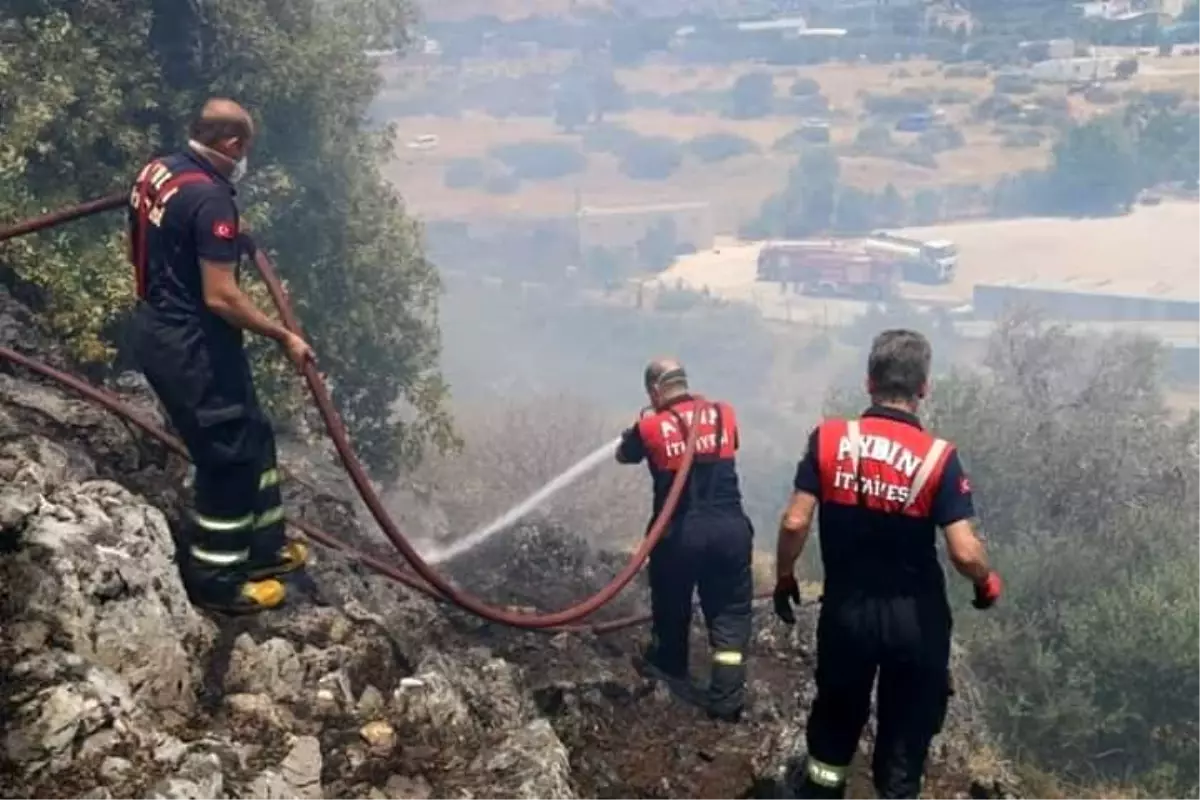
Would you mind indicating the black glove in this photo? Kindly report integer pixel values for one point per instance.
(786, 593)
(988, 591)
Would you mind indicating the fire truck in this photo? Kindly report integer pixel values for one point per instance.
(921, 261)
(829, 268)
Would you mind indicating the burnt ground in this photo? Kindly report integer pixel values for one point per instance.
(630, 737)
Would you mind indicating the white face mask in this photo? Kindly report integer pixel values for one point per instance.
(239, 166)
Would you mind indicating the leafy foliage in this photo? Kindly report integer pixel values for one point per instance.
(93, 89)
(752, 96)
(1088, 492)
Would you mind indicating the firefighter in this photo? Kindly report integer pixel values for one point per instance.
(708, 544)
(185, 246)
(882, 485)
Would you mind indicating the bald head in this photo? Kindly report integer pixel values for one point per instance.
(223, 125)
(665, 379)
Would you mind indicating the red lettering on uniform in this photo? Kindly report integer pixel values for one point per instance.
(223, 229)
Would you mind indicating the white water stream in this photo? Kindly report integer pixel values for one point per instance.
(573, 473)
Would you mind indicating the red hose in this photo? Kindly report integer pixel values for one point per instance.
(438, 586)
(54, 218)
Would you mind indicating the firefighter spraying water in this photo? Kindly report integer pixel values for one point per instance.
(710, 545)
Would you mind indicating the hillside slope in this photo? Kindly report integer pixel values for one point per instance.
(112, 685)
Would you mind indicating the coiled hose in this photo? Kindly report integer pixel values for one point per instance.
(427, 579)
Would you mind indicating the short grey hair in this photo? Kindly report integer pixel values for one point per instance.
(665, 374)
(898, 366)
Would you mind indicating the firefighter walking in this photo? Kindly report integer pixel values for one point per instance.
(708, 546)
(187, 337)
(882, 485)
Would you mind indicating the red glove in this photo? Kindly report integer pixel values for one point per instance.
(988, 591)
(786, 593)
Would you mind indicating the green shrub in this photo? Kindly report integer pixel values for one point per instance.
(1088, 492)
(540, 161)
(651, 158)
(713, 147)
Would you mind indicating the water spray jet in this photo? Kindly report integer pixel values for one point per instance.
(536, 500)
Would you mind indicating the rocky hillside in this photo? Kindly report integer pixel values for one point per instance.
(112, 685)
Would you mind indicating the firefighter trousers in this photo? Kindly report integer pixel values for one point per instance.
(236, 528)
(709, 551)
(905, 641)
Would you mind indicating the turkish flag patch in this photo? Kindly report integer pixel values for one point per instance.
(964, 485)
(223, 229)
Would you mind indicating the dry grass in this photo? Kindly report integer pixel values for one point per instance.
(1039, 783)
(736, 187)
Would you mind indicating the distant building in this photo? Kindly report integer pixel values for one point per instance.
(784, 24)
(1097, 302)
(1131, 10)
(1071, 70)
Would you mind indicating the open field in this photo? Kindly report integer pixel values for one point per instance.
(1155, 249)
(736, 187)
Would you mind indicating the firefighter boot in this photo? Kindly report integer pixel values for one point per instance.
(229, 591)
(811, 791)
(235, 596)
(821, 780)
(277, 562)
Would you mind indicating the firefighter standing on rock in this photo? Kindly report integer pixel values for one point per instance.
(882, 484)
(186, 246)
(709, 543)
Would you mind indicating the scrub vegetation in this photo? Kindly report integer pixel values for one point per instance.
(1088, 495)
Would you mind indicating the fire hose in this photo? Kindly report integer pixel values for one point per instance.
(426, 579)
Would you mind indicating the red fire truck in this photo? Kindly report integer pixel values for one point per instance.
(829, 268)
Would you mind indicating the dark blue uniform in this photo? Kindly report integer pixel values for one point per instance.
(884, 486)
(182, 211)
(708, 545)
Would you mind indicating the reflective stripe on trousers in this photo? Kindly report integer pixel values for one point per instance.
(824, 774)
(224, 542)
(727, 658)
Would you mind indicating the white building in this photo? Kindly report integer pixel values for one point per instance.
(1071, 70)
